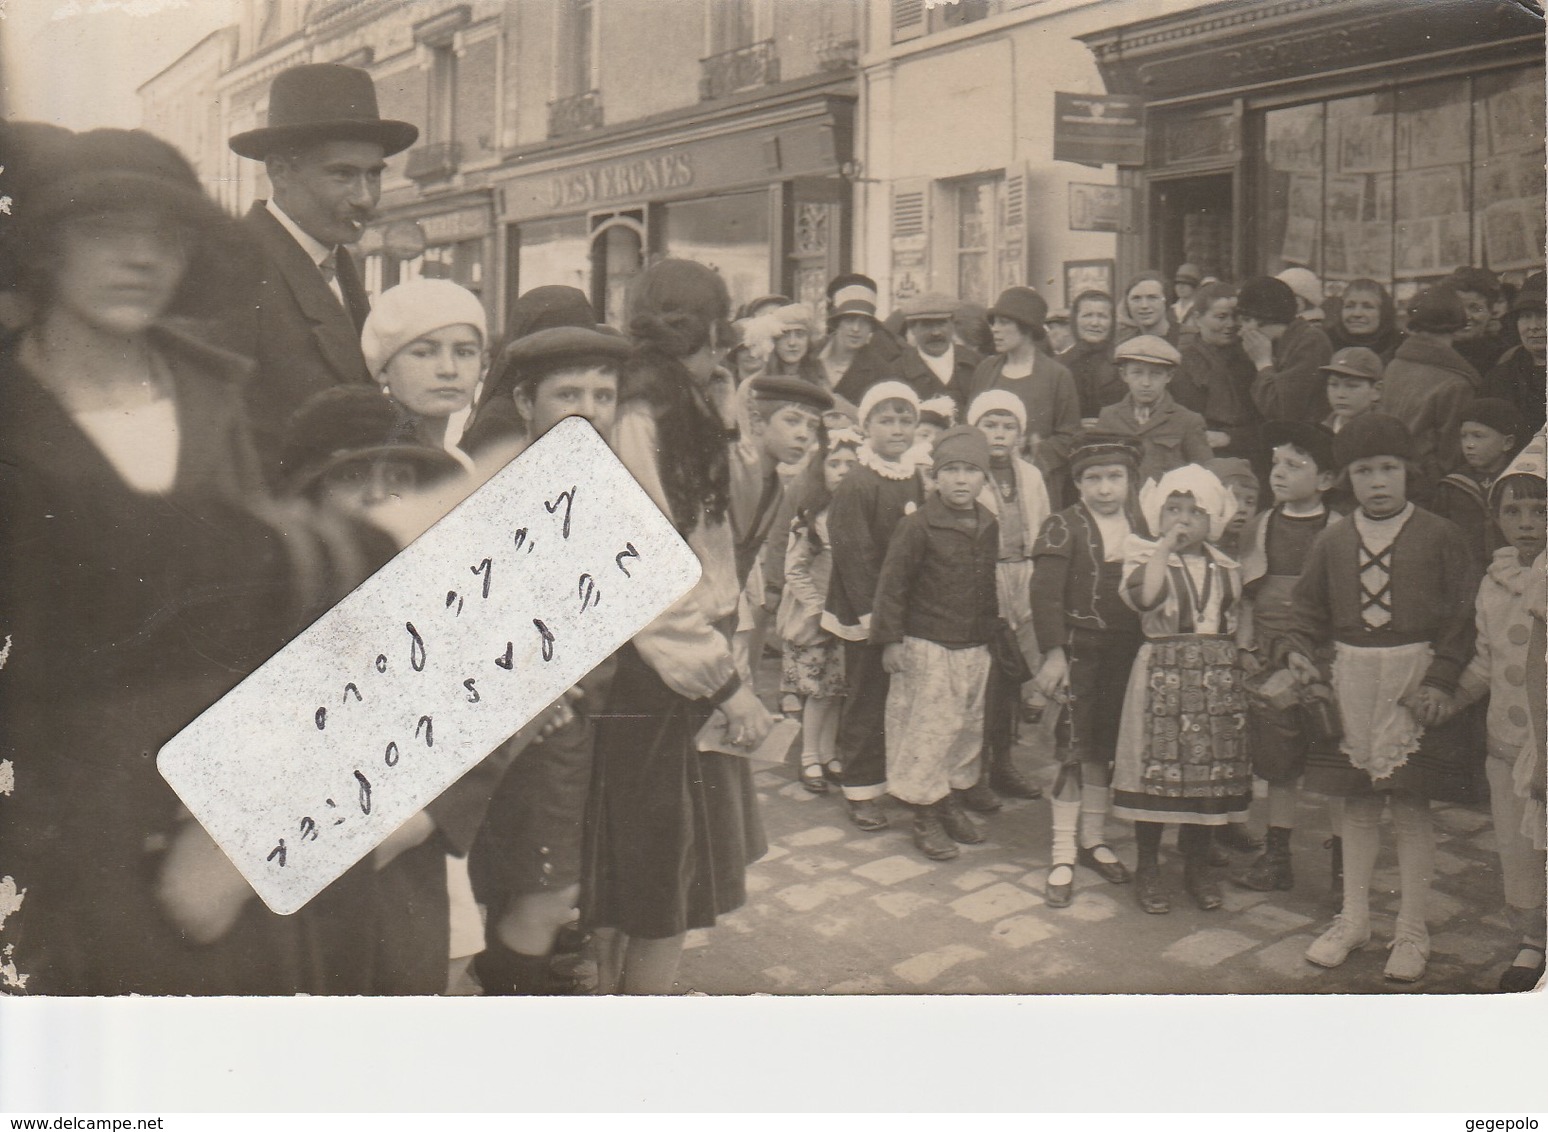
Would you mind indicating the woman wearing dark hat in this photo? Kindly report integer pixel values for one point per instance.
(1044, 386)
(144, 574)
(670, 830)
(1286, 351)
(1427, 385)
(1364, 315)
(1521, 376)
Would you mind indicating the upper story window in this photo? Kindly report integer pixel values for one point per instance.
(576, 56)
(732, 24)
(914, 18)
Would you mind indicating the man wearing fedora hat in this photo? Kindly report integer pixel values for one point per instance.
(301, 305)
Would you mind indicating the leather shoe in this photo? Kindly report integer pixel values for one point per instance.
(958, 824)
(979, 798)
(1518, 977)
(1150, 891)
(1113, 872)
(1060, 895)
(1010, 783)
(1205, 892)
(1234, 835)
(930, 836)
(866, 815)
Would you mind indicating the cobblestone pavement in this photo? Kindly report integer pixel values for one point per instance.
(834, 910)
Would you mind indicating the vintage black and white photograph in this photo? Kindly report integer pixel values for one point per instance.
(1070, 603)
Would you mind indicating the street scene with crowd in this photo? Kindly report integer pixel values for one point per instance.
(1186, 638)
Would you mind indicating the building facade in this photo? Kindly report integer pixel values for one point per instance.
(178, 104)
(1390, 139)
(568, 141)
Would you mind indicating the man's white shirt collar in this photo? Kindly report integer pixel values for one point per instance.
(942, 367)
(318, 251)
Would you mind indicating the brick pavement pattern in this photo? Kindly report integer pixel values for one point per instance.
(832, 910)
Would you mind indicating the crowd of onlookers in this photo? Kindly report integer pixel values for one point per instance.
(1202, 534)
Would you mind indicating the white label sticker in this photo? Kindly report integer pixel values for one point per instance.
(448, 650)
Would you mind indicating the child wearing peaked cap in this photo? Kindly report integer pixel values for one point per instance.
(1182, 754)
(1507, 667)
(936, 611)
(1016, 496)
(1391, 590)
(1168, 434)
(1354, 377)
(1089, 638)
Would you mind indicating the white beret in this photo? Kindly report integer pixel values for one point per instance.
(413, 309)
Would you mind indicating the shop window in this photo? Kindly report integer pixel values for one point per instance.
(729, 233)
(462, 263)
(1404, 185)
(554, 252)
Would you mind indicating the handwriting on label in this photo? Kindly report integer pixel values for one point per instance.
(448, 650)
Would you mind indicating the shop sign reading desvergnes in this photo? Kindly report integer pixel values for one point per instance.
(622, 180)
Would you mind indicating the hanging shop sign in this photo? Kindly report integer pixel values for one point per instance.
(1099, 129)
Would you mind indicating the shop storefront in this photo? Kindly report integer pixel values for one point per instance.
(1386, 139)
(442, 239)
(752, 190)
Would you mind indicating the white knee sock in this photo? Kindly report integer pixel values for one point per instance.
(1095, 802)
(1362, 840)
(1066, 816)
(1416, 864)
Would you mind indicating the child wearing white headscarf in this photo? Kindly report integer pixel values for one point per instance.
(1181, 753)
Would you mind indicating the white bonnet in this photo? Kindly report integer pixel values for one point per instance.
(886, 391)
(998, 401)
(1209, 494)
(413, 309)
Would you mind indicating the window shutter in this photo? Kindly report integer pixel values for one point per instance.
(1013, 230)
(910, 238)
(908, 19)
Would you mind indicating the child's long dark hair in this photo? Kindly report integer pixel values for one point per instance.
(673, 307)
(815, 496)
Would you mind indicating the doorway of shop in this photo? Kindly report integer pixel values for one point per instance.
(1192, 223)
(618, 245)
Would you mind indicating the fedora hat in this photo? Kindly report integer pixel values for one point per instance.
(319, 102)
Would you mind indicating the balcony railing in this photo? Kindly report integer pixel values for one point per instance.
(576, 114)
(743, 68)
(838, 55)
(435, 161)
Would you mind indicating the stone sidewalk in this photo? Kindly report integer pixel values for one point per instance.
(832, 910)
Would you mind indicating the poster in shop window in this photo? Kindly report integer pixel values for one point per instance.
(1365, 145)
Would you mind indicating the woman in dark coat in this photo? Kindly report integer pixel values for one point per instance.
(1090, 359)
(144, 574)
(1215, 378)
(670, 830)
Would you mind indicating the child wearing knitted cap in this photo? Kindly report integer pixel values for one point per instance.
(1237, 474)
(424, 340)
(1507, 667)
(936, 610)
(1391, 589)
(1182, 754)
(883, 487)
(1016, 495)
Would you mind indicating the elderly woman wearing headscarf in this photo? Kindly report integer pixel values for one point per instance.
(1181, 753)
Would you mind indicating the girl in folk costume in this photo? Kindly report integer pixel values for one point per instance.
(1017, 497)
(1392, 588)
(1181, 751)
(1089, 639)
(1508, 668)
(813, 660)
(883, 487)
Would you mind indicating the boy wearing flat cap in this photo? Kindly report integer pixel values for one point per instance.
(1169, 435)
